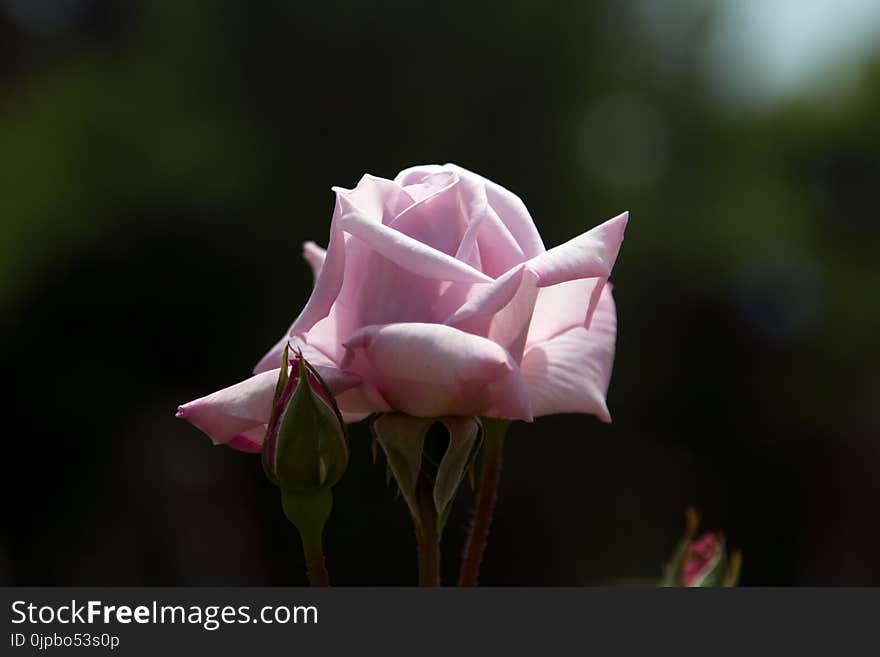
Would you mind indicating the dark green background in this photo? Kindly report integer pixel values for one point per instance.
(161, 163)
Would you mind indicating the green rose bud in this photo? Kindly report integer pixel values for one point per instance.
(305, 450)
(305, 453)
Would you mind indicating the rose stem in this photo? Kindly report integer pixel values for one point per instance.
(427, 536)
(484, 507)
(314, 554)
(429, 564)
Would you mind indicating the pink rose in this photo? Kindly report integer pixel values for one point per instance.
(437, 297)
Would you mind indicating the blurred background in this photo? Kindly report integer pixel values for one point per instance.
(161, 163)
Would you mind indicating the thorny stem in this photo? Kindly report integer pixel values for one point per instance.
(484, 507)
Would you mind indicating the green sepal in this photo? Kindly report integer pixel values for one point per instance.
(330, 398)
(731, 573)
(280, 385)
(283, 376)
(402, 439)
(311, 450)
(464, 443)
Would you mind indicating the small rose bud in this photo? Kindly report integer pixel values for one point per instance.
(702, 561)
(702, 558)
(305, 453)
(305, 450)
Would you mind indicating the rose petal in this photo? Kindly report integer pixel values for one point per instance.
(487, 241)
(431, 370)
(375, 200)
(590, 255)
(250, 441)
(373, 293)
(235, 410)
(571, 372)
(508, 208)
(587, 259)
(477, 209)
(501, 311)
(559, 308)
(379, 198)
(409, 253)
(313, 354)
(430, 353)
(328, 284)
(314, 255)
(486, 233)
(415, 176)
(234, 413)
(511, 211)
(436, 218)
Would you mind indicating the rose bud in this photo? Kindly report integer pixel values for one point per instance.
(305, 449)
(702, 561)
(305, 453)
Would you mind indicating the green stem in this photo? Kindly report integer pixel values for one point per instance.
(315, 566)
(484, 507)
(309, 512)
(427, 535)
(429, 563)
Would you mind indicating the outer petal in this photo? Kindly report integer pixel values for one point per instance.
(377, 200)
(237, 414)
(589, 255)
(235, 410)
(571, 372)
(572, 276)
(329, 282)
(561, 307)
(314, 255)
(249, 441)
(272, 359)
(431, 370)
